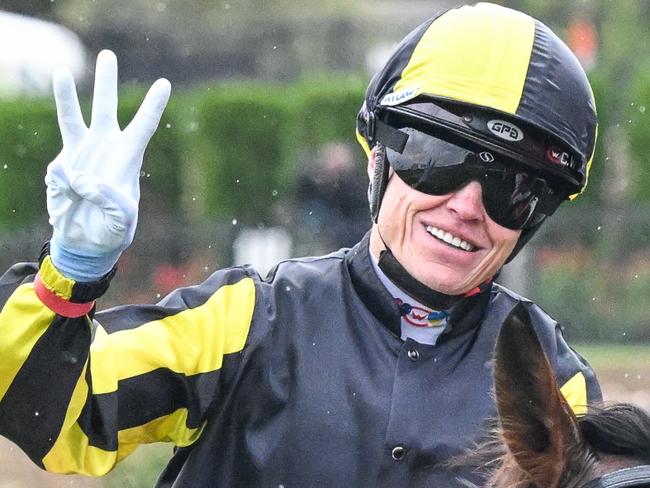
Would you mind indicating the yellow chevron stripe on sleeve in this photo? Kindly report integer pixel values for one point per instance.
(487, 69)
(73, 454)
(191, 342)
(575, 393)
(17, 338)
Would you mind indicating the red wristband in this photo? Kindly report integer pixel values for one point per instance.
(60, 305)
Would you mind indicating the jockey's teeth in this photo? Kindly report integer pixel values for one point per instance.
(449, 239)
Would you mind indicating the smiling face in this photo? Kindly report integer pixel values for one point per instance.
(446, 242)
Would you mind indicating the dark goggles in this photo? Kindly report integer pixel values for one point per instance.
(512, 196)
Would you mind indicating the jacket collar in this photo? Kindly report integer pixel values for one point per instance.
(464, 315)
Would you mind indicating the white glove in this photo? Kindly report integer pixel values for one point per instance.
(93, 185)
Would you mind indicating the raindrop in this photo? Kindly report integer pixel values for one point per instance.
(168, 125)
(142, 173)
(5, 166)
(275, 47)
(627, 375)
(194, 199)
(599, 227)
(287, 288)
(36, 414)
(593, 299)
(157, 295)
(234, 221)
(35, 132)
(205, 268)
(636, 276)
(274, 193)
(237, 180)
(642, 109)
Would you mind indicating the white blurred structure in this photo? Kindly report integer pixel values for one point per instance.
(31, 49)
(262, 248)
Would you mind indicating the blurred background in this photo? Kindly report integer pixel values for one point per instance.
(255, 158)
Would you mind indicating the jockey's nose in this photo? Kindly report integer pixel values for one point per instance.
(467, 202)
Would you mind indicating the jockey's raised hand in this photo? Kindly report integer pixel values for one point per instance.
(93, 186)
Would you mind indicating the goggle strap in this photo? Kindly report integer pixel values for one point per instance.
(389, 136)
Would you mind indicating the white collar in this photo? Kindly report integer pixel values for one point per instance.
(423, 335)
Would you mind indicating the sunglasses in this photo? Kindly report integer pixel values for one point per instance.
(513, 197)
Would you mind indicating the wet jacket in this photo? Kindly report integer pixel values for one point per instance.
(297, 380)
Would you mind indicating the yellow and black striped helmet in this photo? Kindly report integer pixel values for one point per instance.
(512, 81)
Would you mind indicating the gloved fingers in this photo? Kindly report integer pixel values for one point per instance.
(104, 114)
(55, 177)
(147, 118)
(71, 122)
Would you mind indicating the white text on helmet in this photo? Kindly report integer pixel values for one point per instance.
(505, 130)
(400, 96)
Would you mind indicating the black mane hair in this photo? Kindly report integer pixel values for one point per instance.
(620, 429)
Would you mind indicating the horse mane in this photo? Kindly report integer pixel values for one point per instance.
(619, 429)
(537, 440)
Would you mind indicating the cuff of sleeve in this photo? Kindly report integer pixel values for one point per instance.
(57, 303)
(63, 295)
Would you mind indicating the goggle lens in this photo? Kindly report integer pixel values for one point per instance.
(512, 197)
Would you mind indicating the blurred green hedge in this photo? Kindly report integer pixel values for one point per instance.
(30, 139)
(220, 145)
(229, 150)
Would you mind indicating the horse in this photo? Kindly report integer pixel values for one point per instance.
(543, 443)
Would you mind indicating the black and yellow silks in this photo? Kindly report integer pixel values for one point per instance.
(297, 380)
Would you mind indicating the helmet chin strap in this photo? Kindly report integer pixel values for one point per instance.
(436, 300)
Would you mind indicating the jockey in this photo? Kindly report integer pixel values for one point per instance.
(370, 366)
